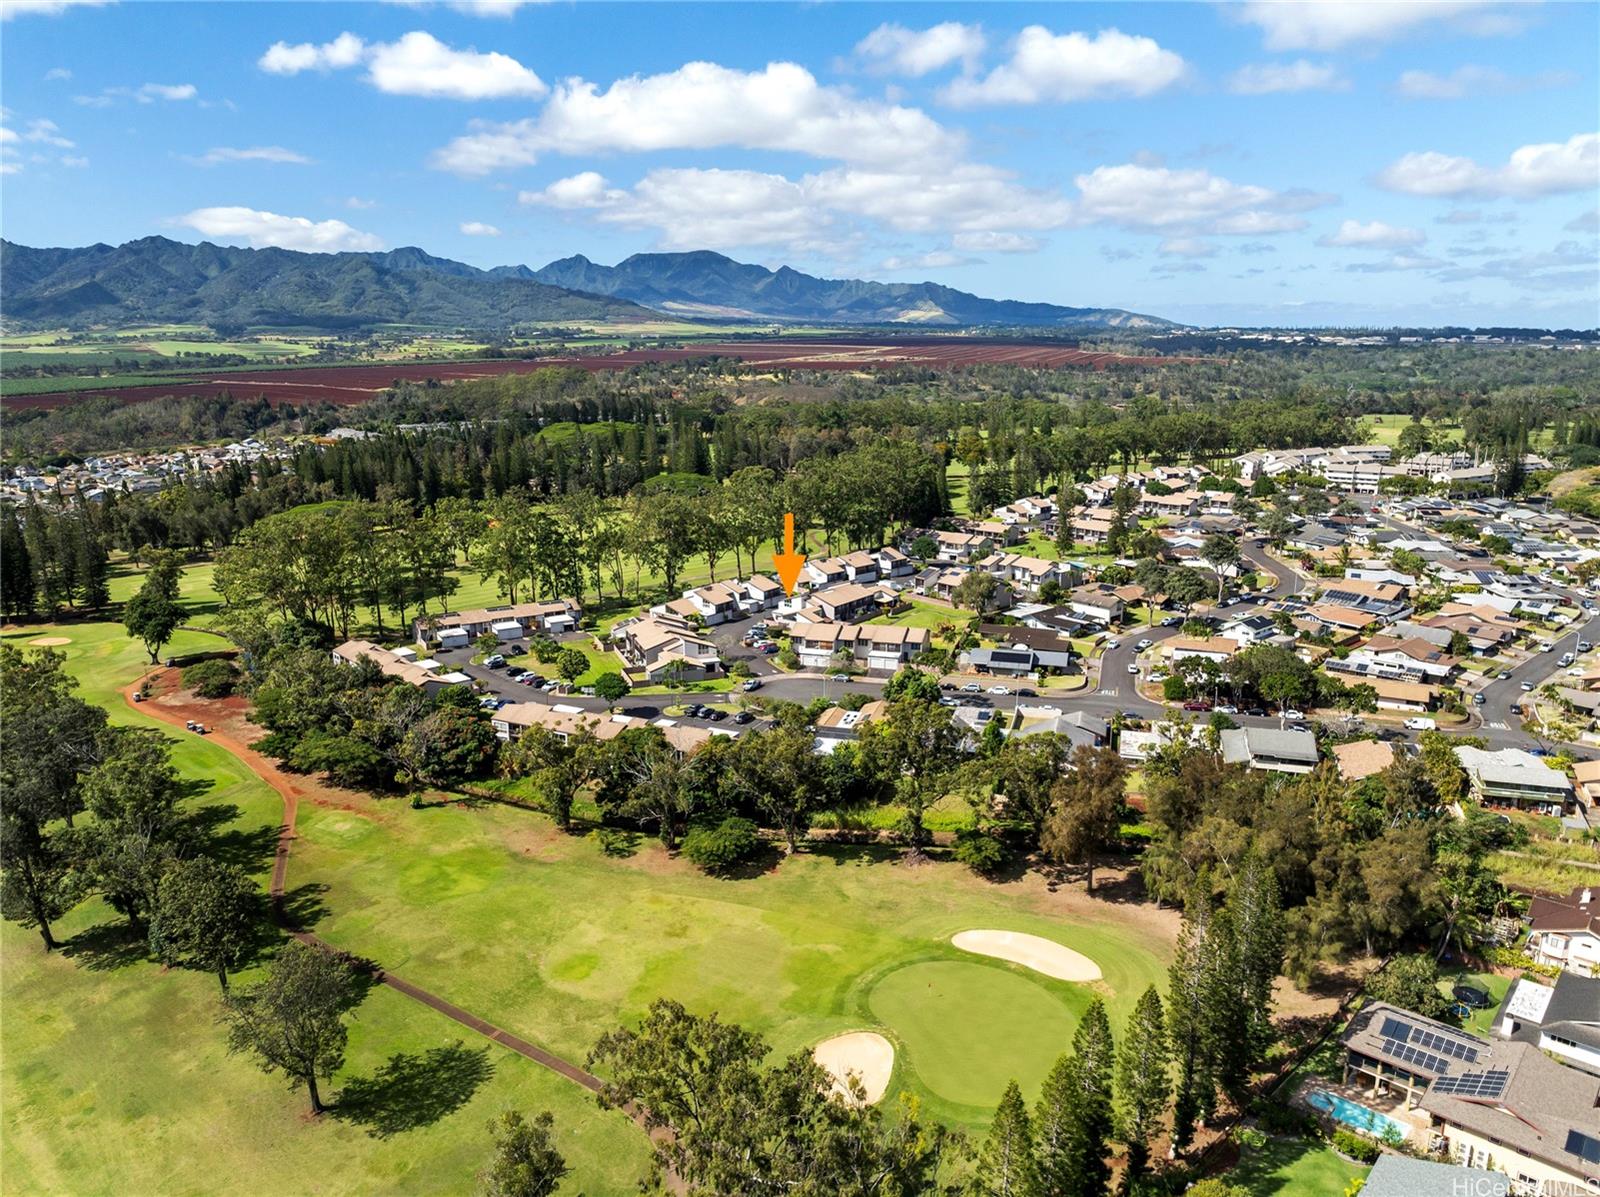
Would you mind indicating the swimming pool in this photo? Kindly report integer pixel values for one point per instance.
(1355, 1115)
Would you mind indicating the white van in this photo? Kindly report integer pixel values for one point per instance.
(1420, 723)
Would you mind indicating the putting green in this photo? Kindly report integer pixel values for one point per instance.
(969, 1028)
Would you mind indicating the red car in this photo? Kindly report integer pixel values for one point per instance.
(1197, 704)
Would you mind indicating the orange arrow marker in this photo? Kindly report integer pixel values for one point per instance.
(788, 563)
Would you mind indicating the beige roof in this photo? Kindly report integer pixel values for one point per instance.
(1345, 617)
(1362, 758)
(1203, 644)
(1405, 691)
(515, 611)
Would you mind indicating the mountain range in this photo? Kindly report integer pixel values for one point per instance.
(155, 280)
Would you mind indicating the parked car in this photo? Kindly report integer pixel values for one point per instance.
(947, 685)
(1172, 621)
(753, 684)
(494, 661)
(1197, 704)
(1257, 712)
(743, 717)
(1420, 723)
(838, 677)
(946, 701)
(971, 688)
(1527, 685)
(1583, 645)
(768, 649)
(1293, 716)
(1144, 644)
(1226, 709)
(1516, 708)
(716, 714)
(1113, 644)
(1133, 667)
(999, 689)
(1477, 700)
(1024, 692)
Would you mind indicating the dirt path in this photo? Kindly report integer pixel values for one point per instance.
(291, 789)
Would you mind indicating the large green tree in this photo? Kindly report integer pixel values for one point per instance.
(207, 915)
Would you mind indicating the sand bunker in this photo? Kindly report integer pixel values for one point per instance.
(49, 641)
(1042, 955)
(866, 1053)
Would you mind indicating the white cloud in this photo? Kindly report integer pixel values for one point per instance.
(254, 153)
(1467, 82)
(75, 161)
(1000, 243)
(356, 203)
(1152, 198)
(1584, 222)
(421, 65)
(47, 133)
(10, 168)
(1460, 216)
(57, 73)
(418, 64)
(1267, 78)
(1335, 24)
(259, 229)
(1375, 234)
(148, 93)
(476, 228)
(1046, 67)
(1186, 247)
(1398, 261)
(489, 8)
(48, 8)
(1545, 169)
(8, 135)
(936, 259)
(705, 106)
(586, 189)
(281, 58)
(892, 48)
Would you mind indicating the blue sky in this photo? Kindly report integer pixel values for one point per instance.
(1253, 163)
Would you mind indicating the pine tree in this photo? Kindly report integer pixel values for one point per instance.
(1224, 1018)
(1075, 1115)
(91, 568)
(1184, 1016)
(1143, 1083)
(1006, 1165)
(1259, 932)
(17, 586)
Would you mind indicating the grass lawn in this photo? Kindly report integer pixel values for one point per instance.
(542, 932)
(98, 1034)
(924, 615)
(1294, 1168)
(1480, 1022)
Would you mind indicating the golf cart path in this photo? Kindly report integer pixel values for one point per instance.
(285, 785)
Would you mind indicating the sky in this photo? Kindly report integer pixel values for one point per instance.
(1286, 163)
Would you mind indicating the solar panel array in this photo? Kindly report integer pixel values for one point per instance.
(1412, 1055)
(1489, 1084)
(1585, 1147)
(1443, 1043)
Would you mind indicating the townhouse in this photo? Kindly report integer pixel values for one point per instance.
(960, 546)
(876, 647)
(565, 722)
(1096, 603)
(457, 629)
(1561, 1019)
(1028, 574)
(712, 604)
(664, 646)
(401, 664)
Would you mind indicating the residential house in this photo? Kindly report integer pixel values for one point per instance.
(823, 571)
(429, 676)
(1396, 1175)
(960, 546)
(1562, 1019)
(1403, 696)
(1340, 619)
(1250, 629)
(846, 603)
(1565, 931)
(759, 593)
(1210, 648)
(1512, 777)
(998, 533)
(1280, 750)
(1027, 574)
(1175, 506)
(892, 563)
(715, 603)
(1019, 660)
(1500, 1104)
(1090, 529)
(1362, 758)
(1586, 778)
(1082, 729)
(1097, 603)
(565, 721)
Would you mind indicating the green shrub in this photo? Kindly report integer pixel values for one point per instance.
(544, 650)
(980, 851)
(1174, 689)
(1512, 958)
(215, 678)
(718, 848)
(1348, 1143)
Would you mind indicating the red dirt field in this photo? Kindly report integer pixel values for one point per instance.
(357, 384)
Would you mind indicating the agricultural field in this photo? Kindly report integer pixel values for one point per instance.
(358, 383)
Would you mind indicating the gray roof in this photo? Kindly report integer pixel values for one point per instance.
(1574, 1010)
(1402, 1176)
(1242, 744)
(1542, 1104)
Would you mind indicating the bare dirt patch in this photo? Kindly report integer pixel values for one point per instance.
(865, 1054)
(1031, 951)
(50, 641)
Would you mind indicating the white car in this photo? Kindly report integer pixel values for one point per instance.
(1144, 644)
(1113, 644)
(999, 689)
(1544, 646)
(1527, 685)
(1293, 717)
(1133, 667)
(972, 688)
(1226, 709)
